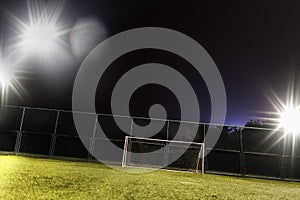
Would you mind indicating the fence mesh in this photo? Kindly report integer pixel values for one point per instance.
(241, 151)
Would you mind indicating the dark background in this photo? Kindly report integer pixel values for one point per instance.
(255, 45)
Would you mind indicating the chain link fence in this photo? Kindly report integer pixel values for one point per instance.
(242, 151)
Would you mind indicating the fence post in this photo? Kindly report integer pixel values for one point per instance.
(242, 155)
(166, 151)
(205, 160)
(19, 135)
(281, 163)
(92, 142)
(131, 127)
(53, 137)
(129, 147)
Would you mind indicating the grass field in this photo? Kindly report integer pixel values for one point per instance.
(33, 178)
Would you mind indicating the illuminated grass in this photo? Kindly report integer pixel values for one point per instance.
(32, 178)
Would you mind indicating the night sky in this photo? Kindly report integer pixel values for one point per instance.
(255, 44)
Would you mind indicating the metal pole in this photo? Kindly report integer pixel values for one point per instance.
(166, 149)
(125, 152)
(131, 127)
(282, 153)
(206, 160)
(53, 138)
(203, 149)
(242, 155)
(92, 140)
(128, 149)
(19, 135)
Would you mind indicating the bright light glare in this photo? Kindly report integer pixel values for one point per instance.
(40, 37)
(290, 120)
(6, 74)
(287, 115)
(9, 78)
(286, 118)
(41, 34)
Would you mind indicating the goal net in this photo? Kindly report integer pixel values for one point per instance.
(167, 154)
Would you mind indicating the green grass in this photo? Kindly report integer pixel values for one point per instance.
(32, 178)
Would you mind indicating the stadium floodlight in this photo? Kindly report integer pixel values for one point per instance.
(287, 115)
(41, 33)
(162, 151)
(290, 119)
(40, 37)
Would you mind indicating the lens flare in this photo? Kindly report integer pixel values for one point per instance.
(41, 34)
(290, 119)
(286, 115)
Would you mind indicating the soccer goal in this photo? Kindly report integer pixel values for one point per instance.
(167, 154)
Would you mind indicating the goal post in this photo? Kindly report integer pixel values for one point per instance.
(166, 154)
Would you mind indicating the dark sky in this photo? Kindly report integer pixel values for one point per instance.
(255, 44)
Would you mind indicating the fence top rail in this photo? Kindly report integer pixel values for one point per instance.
(142, 118)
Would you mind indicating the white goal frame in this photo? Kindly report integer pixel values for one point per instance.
(200, 158)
